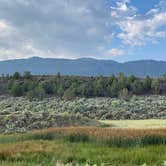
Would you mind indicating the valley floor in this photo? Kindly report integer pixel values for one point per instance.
(37, 133)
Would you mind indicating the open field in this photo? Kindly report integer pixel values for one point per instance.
(150, 123)
(101, 146)
(37, 133)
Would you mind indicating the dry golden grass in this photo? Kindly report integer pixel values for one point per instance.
(27, 147)
(105, 132)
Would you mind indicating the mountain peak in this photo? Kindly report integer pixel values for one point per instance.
(82, 67)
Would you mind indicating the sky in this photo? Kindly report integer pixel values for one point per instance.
(121, 30)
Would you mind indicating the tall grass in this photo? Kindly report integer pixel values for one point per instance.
(84, 145)
(47, 153)
(103, 136)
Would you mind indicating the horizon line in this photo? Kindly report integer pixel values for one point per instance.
(92, 58)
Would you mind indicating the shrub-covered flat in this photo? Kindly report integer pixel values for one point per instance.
(85, 145)
(18, 114)
(138, 107)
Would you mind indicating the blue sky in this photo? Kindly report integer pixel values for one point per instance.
(121, 30)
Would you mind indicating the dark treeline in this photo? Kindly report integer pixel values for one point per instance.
(69, 87)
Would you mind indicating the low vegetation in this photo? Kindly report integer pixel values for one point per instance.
(18, 114)
(23, 122)
(81, 146)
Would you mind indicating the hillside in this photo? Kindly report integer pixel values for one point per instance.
(83, 67)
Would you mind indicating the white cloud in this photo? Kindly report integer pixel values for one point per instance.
(75, 28)
(6, 54)
(122, 10)
(5, 29)
(114, 52)
(139, 31)
(136, 29)
(109, 53)
(59, 27)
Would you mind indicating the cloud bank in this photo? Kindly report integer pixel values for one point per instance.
(74, 29)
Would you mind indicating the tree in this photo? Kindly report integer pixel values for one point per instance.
(60, 91)
(156, 86)
(75, 88)
(131, 79)
(10, 84)
(27, 75)
(87, 89)
(147, 84)
(16, 90)
(69, 94)
(60, 86)
(114, 89)
(122, 81)
(16, 76)
(36, 93)
(124, 94)
(48, 87)
(164, 77)
(137, 87)
(111, 79)
(99, 86)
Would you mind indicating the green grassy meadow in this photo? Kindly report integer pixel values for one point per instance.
(151, 123)
(84, 146)
(48, 153)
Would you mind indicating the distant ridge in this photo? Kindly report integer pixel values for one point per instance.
(83, 67)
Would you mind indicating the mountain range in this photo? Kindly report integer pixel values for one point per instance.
(83, 67)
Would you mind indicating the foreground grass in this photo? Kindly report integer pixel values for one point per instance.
(151, 123)
(101, 146)
(46, 153)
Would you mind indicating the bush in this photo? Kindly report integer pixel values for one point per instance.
(69, 94)
(43, 136)
(78, 138)
(124, 94)
(16, 90)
